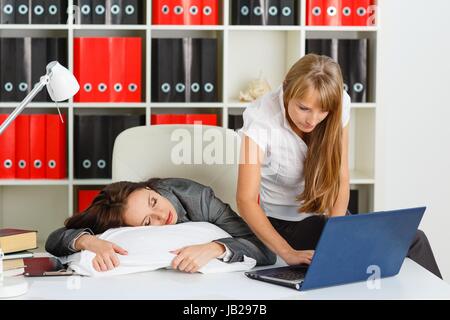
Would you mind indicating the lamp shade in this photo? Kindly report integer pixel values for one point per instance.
(62, 84)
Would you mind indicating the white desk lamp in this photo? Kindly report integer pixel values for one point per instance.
(61, 85)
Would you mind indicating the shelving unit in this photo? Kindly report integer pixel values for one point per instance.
(244, 51)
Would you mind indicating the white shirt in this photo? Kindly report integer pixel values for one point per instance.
(282, 178)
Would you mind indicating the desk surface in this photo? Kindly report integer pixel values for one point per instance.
(413, 282)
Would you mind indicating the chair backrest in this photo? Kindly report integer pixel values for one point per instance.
(206, 154)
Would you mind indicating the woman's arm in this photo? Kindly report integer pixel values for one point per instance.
(341, 204)
(59, 242)
(247, 200)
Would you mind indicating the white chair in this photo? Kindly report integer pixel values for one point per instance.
(206, 154)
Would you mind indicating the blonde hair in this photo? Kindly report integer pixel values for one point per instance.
(323, 159)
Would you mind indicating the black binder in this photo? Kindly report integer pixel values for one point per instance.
(8, 15)
(162, 85)
(23, 68)
(114, 12)
(196, 71)
(327, 47)
(98, 12)
(38, 65)
(358, 70)
(85, 11)
(353, 206)
(344, 62)
(241, 12)
(87, 135)
(39, 12)
(209, 70)
(178, 72)
(22, 10)
(132, 11)
(56, 11)
(8, 74)
(235, 121)
(272, 12)
(288, 12)
(257, 12)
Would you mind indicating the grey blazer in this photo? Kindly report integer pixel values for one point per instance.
(193, 202)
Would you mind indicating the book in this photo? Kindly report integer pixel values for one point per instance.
(13, 264)
(14, 240)
(18, 255)
(14, 272)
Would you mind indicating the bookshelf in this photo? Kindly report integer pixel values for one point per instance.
(45, 204)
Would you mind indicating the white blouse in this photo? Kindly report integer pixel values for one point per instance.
(282, 178)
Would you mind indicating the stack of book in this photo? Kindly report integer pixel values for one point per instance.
(15, 244)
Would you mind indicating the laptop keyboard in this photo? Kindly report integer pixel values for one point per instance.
(290, 275)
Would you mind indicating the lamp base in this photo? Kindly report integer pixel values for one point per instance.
(13, 287)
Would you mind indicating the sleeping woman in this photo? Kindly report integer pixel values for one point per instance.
(158, 202)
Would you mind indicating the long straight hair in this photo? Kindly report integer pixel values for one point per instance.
(323, 159)
(107, 209)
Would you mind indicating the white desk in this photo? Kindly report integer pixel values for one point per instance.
(413, 282)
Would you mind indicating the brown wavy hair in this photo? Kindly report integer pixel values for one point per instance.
(107, 209)
(323, 159)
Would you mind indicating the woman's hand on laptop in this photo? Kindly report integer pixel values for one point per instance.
(105, 258)
(296, 257)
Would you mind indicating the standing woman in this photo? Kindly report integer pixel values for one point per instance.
(294, 172)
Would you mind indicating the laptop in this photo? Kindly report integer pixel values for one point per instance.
(350, 249)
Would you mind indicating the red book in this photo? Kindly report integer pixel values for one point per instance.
(23, 147)
(37, 146)
(85, 198)
(360, 12)
(347, 13)
(7, 150)
(314, 12)
(210, 12)
(56, 147)
(133, 69)
(332, 13)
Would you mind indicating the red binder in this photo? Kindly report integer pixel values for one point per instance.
(347, 13)
(82, 69)
(332, 13)
(37, 146)
(161, 12)
(205, 119)
(7, 150)
(85, 198)
(99, 60)
(23, 147)
(315, 12)
(161, 119)
(192, 12)
(117, 71)
(210, 12)
(177, 12)
(178, 119)
(360, 12)
(133, 69)
(91, 66)
(56, 138)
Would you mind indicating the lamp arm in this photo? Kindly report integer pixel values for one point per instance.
(37, 88)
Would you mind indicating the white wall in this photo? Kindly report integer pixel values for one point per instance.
(414, 94)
